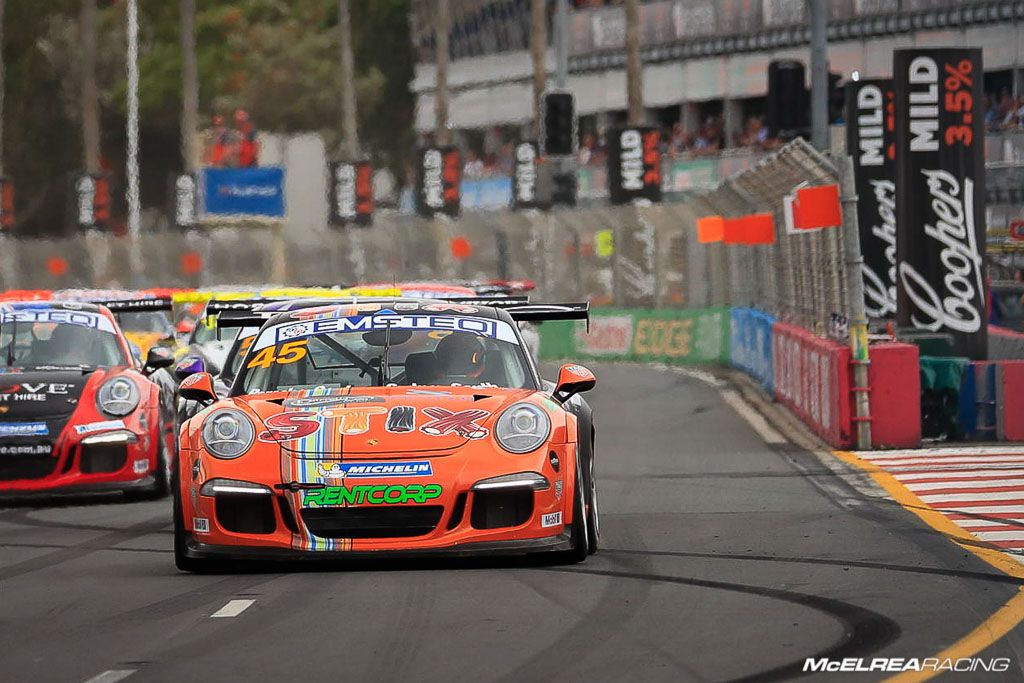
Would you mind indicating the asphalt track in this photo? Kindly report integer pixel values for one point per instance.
(724, 558)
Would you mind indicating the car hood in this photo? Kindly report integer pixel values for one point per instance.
(379, 421)
(40, 393)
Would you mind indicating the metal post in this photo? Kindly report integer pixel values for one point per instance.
(2, 86)
(819, 73)
(538, 52)
(349, 124)
(634, 69)
(132, 164)
(89, 92)
(855, 302)
(441, 27)
(561, 43)
(189, 86)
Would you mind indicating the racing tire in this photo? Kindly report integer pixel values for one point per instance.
(593, 520)
(161, 483)
(181, 560)
(580, 534)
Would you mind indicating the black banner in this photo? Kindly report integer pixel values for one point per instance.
(940, 194)
(524, 176)
(6, 205)
(437, 183)
(351, 192)
(634, 164)
(92, 201)
(185, 201)
(871, 141)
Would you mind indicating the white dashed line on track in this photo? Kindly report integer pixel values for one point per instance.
(232, 609)
(112, 676)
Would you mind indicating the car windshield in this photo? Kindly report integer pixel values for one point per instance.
(422, 350)
(37, 338)
(245, 338)
(146, 322)
(204, 334)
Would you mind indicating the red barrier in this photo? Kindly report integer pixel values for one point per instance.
(895, 380)
(1013, 400)
(812, 378)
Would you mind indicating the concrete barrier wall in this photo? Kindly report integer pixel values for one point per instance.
(812, 378)
(750, 344)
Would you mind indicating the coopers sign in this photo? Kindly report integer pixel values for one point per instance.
(438, 179)
(940, 241)
(634, 164)
(351, 192)
(870, 139)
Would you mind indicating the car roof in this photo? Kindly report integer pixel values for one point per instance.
(59, 305)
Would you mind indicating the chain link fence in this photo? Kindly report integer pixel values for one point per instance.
(627, 256)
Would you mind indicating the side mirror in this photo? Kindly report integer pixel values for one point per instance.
(188, 366)
(198, 387)
(158, 357)
(573, 379)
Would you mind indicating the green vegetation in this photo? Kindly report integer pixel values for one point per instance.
(278, 59)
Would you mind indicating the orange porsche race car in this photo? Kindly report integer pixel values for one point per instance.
(388, 427)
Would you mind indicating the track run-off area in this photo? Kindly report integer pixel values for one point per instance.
(729, 552)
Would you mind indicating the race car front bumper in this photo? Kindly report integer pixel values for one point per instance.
(560, 542)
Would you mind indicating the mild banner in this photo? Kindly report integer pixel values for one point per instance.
(940, 194)
(871, 141)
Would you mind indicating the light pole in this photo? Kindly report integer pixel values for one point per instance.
(441, 24)
(349, 122)
(819, 73)
(189, 86)
(132, 164)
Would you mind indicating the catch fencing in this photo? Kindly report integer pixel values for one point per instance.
(628, 256)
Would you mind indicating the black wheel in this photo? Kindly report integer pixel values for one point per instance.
(159, 488)
(593, 520)
(580, 534)
(181, 560)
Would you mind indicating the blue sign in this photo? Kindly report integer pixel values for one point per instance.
(244, 192)
(487, 193)
(23, 429)
(750, 344)
(339, 470)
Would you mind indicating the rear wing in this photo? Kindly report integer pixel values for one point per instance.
(250, 313)
(136, 305)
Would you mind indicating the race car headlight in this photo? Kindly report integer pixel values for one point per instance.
(228, 433)
(118, 397)
(522, 428)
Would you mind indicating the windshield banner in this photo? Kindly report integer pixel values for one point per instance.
(58, 316)
(496, 329)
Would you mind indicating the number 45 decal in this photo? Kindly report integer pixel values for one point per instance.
(289, 352)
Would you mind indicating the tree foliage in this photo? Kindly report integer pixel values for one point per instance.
(278, 59)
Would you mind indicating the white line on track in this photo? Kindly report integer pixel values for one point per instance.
(1000, 535)
(973, 497)
(918, 462)
(232, 609)
(927, 452)
(953, 475)
(988, 483)
(112, 676)
(753, 418)
(981, 523)
(986, 509)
